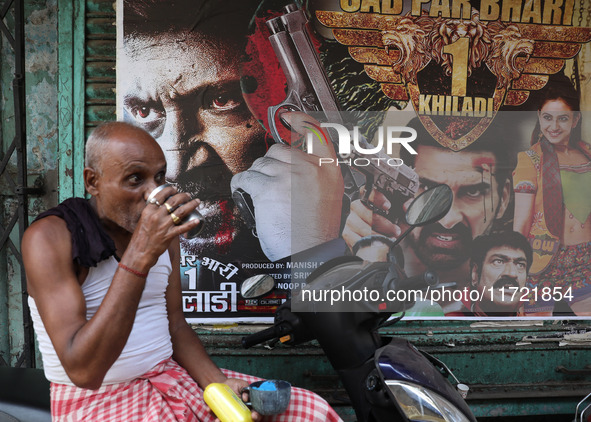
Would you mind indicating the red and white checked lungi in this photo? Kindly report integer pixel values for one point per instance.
(166, 393)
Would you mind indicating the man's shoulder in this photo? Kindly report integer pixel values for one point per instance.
(46, 245)
(51, 231)
(52, 224)
(68, 208)
(76, 223)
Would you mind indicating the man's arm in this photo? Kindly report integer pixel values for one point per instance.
(297, 201)
(187, 348)
(86, 348)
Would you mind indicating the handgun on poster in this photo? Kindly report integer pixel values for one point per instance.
(308, 87)
(309, 90)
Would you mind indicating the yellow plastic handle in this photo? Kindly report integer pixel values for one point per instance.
(226, 405)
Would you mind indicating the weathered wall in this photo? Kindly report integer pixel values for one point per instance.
(41, 58)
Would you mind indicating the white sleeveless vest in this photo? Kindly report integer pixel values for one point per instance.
(149, 341)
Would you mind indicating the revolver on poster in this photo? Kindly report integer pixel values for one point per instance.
(308, 86)
(397, 183)
(309, 90)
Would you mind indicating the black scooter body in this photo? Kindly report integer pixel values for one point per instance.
(364, 362)
(370, 369)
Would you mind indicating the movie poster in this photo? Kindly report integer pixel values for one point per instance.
(489, 97)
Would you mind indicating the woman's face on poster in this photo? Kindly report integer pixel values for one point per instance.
(557, 121)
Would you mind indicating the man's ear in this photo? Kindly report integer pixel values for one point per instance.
(505, 197)
(91, 179)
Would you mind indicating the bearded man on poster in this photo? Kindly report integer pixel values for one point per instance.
(179, 78)
(499, 266)
(479, 177)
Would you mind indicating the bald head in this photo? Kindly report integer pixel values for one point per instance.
(97, 142)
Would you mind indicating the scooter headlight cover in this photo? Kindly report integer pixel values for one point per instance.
(421, 404)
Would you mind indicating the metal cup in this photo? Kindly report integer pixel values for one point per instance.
(269, 397)
(190, 217)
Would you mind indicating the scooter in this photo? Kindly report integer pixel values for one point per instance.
(386, 379)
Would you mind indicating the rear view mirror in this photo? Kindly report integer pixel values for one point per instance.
(430, 206)
(257, 286)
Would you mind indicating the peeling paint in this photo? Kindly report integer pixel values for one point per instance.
(41, 61)
(41, 40)
(42, 130)
(41, 73)
(15, 312)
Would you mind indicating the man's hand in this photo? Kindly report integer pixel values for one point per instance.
(297, 201)
(362, 222)
(238, 385)
(157, 227)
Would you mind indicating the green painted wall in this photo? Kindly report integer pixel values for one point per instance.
(41, 57)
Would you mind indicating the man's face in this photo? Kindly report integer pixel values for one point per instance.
(504, 272)
(476, 203)
(131, 167)
(184, 89)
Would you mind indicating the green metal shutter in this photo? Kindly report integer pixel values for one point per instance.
(100, 48)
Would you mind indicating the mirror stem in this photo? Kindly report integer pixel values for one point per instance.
(399, 239)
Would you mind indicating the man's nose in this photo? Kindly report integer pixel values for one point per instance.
(178, 131)
(510, 269)
(453, 217)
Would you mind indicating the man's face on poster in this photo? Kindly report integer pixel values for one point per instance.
(476, 203)
(184, 89)
(503, 274)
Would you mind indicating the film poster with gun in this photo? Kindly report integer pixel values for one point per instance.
(377, 78)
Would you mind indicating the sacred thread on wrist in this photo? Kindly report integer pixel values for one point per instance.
(134, 272)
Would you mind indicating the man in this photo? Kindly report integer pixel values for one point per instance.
(180, 80)
(479, 177)
(499, 266)
(100, 277)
